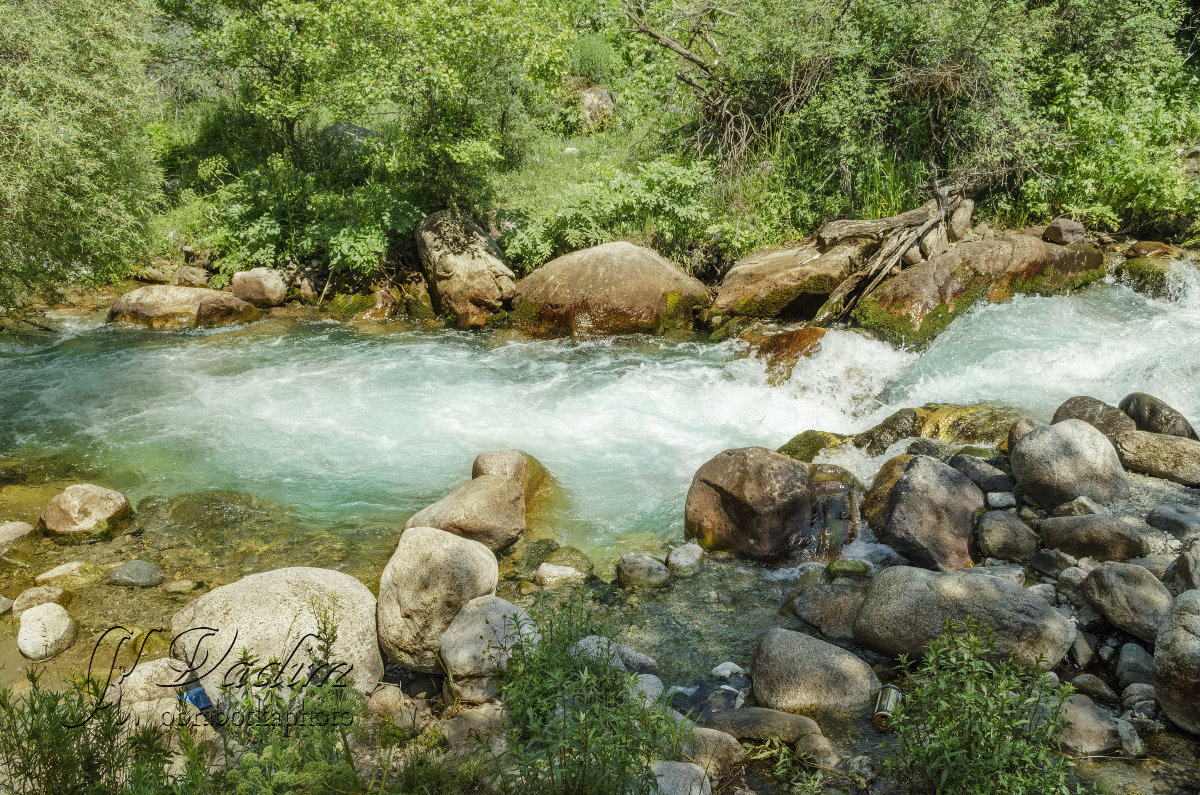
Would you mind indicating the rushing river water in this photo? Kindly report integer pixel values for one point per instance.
(350, 427)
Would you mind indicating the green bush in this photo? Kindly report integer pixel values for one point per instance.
(77, 178)
(593, 58)
(664, 203)
(971, 724)
(575, 728)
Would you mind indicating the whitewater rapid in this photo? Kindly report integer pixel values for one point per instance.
(346, 425)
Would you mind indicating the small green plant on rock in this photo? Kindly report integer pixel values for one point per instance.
(970, 724)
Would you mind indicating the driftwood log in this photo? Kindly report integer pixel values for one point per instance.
(897, 233)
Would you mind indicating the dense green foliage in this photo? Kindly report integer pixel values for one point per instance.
(77, 177)
(575, 728)
(314, 134)
(969, 723)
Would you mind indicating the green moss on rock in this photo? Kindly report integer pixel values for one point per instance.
(806, 446)
(773, 304)
(1148, 276)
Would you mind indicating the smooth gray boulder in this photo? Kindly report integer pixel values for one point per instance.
(84, 510)
(262, 287)
(762, 724)
(987, 477)
(479, 643)
(1153, 415)
(1177, 519)
(1184, 573)
(1129, 596)
(1109, 420)
(278, 614)
(906, 607)
(489, 509)
(1096, 536)
(1176, 672)
(430, 577)
(1002, 535)
(1056, 463)
(1134, 665)
(794, 672)
(1173, 458)
(1089, 729)
(46, 631)
(930, 515)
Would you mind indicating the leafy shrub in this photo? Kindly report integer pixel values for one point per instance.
(574, 726)
(664, 203)
(971, 724)
(47, 747)
(77, 178)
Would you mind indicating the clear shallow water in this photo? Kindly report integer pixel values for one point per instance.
(353, 427)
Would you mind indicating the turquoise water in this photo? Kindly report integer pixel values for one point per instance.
(353, 427)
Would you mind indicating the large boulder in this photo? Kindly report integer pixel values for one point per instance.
(759, 504)
(930, 514)
(1129, 596)
(479, 643)
(1176, 671)
(430, 577)
(1109, 420)
(260, 286)
(830, 608)
(786, 282)
(916, 305)
(1174, 458)
(84, 511)
(906, 607)
(1154, 416)
(468, 275)
(1056, 463)
(1089, 728)
(163, 308)
(794, 672)
(516, 465)
(1098, 536)
(615, 288)
(489, 509)
(46, 631)
(278, 614)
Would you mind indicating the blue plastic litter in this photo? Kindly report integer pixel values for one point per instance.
(197, 698)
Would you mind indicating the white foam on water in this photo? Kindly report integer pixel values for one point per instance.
(343, 426)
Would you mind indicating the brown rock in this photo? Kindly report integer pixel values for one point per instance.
(789, 281)
(783, 351)
(1154, 416)
(82, 510)
(163, 308)
(616, 288)
(467, 272)
(1174, 458)
(1109, 420)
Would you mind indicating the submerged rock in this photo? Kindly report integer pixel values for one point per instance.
(13, 533)
(615, 288)
(162, 308)
(1176, 672)
(1056, 463)
(759, 504)
(84, 511)
(907, 607)
(782, 351)
(136, 574)
(430, 577)
(794, 672)
(278, 614)
(467, 272)
(1154, 416)
(39, 595)
(639, 570)
(489, 509)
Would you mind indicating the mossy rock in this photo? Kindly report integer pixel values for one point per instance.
(848, 568)
(680, 311)
(806, 446)
(345, 306)
(570, 556)
(978, 424)
(730, 327)
(813, 290)
(898, 328)
(1150, 277)
(876, 502)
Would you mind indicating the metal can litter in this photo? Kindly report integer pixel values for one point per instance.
(885, 704)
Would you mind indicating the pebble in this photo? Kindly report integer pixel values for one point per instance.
(1001, 500)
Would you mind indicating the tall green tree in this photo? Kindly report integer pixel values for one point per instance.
(77, 177)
